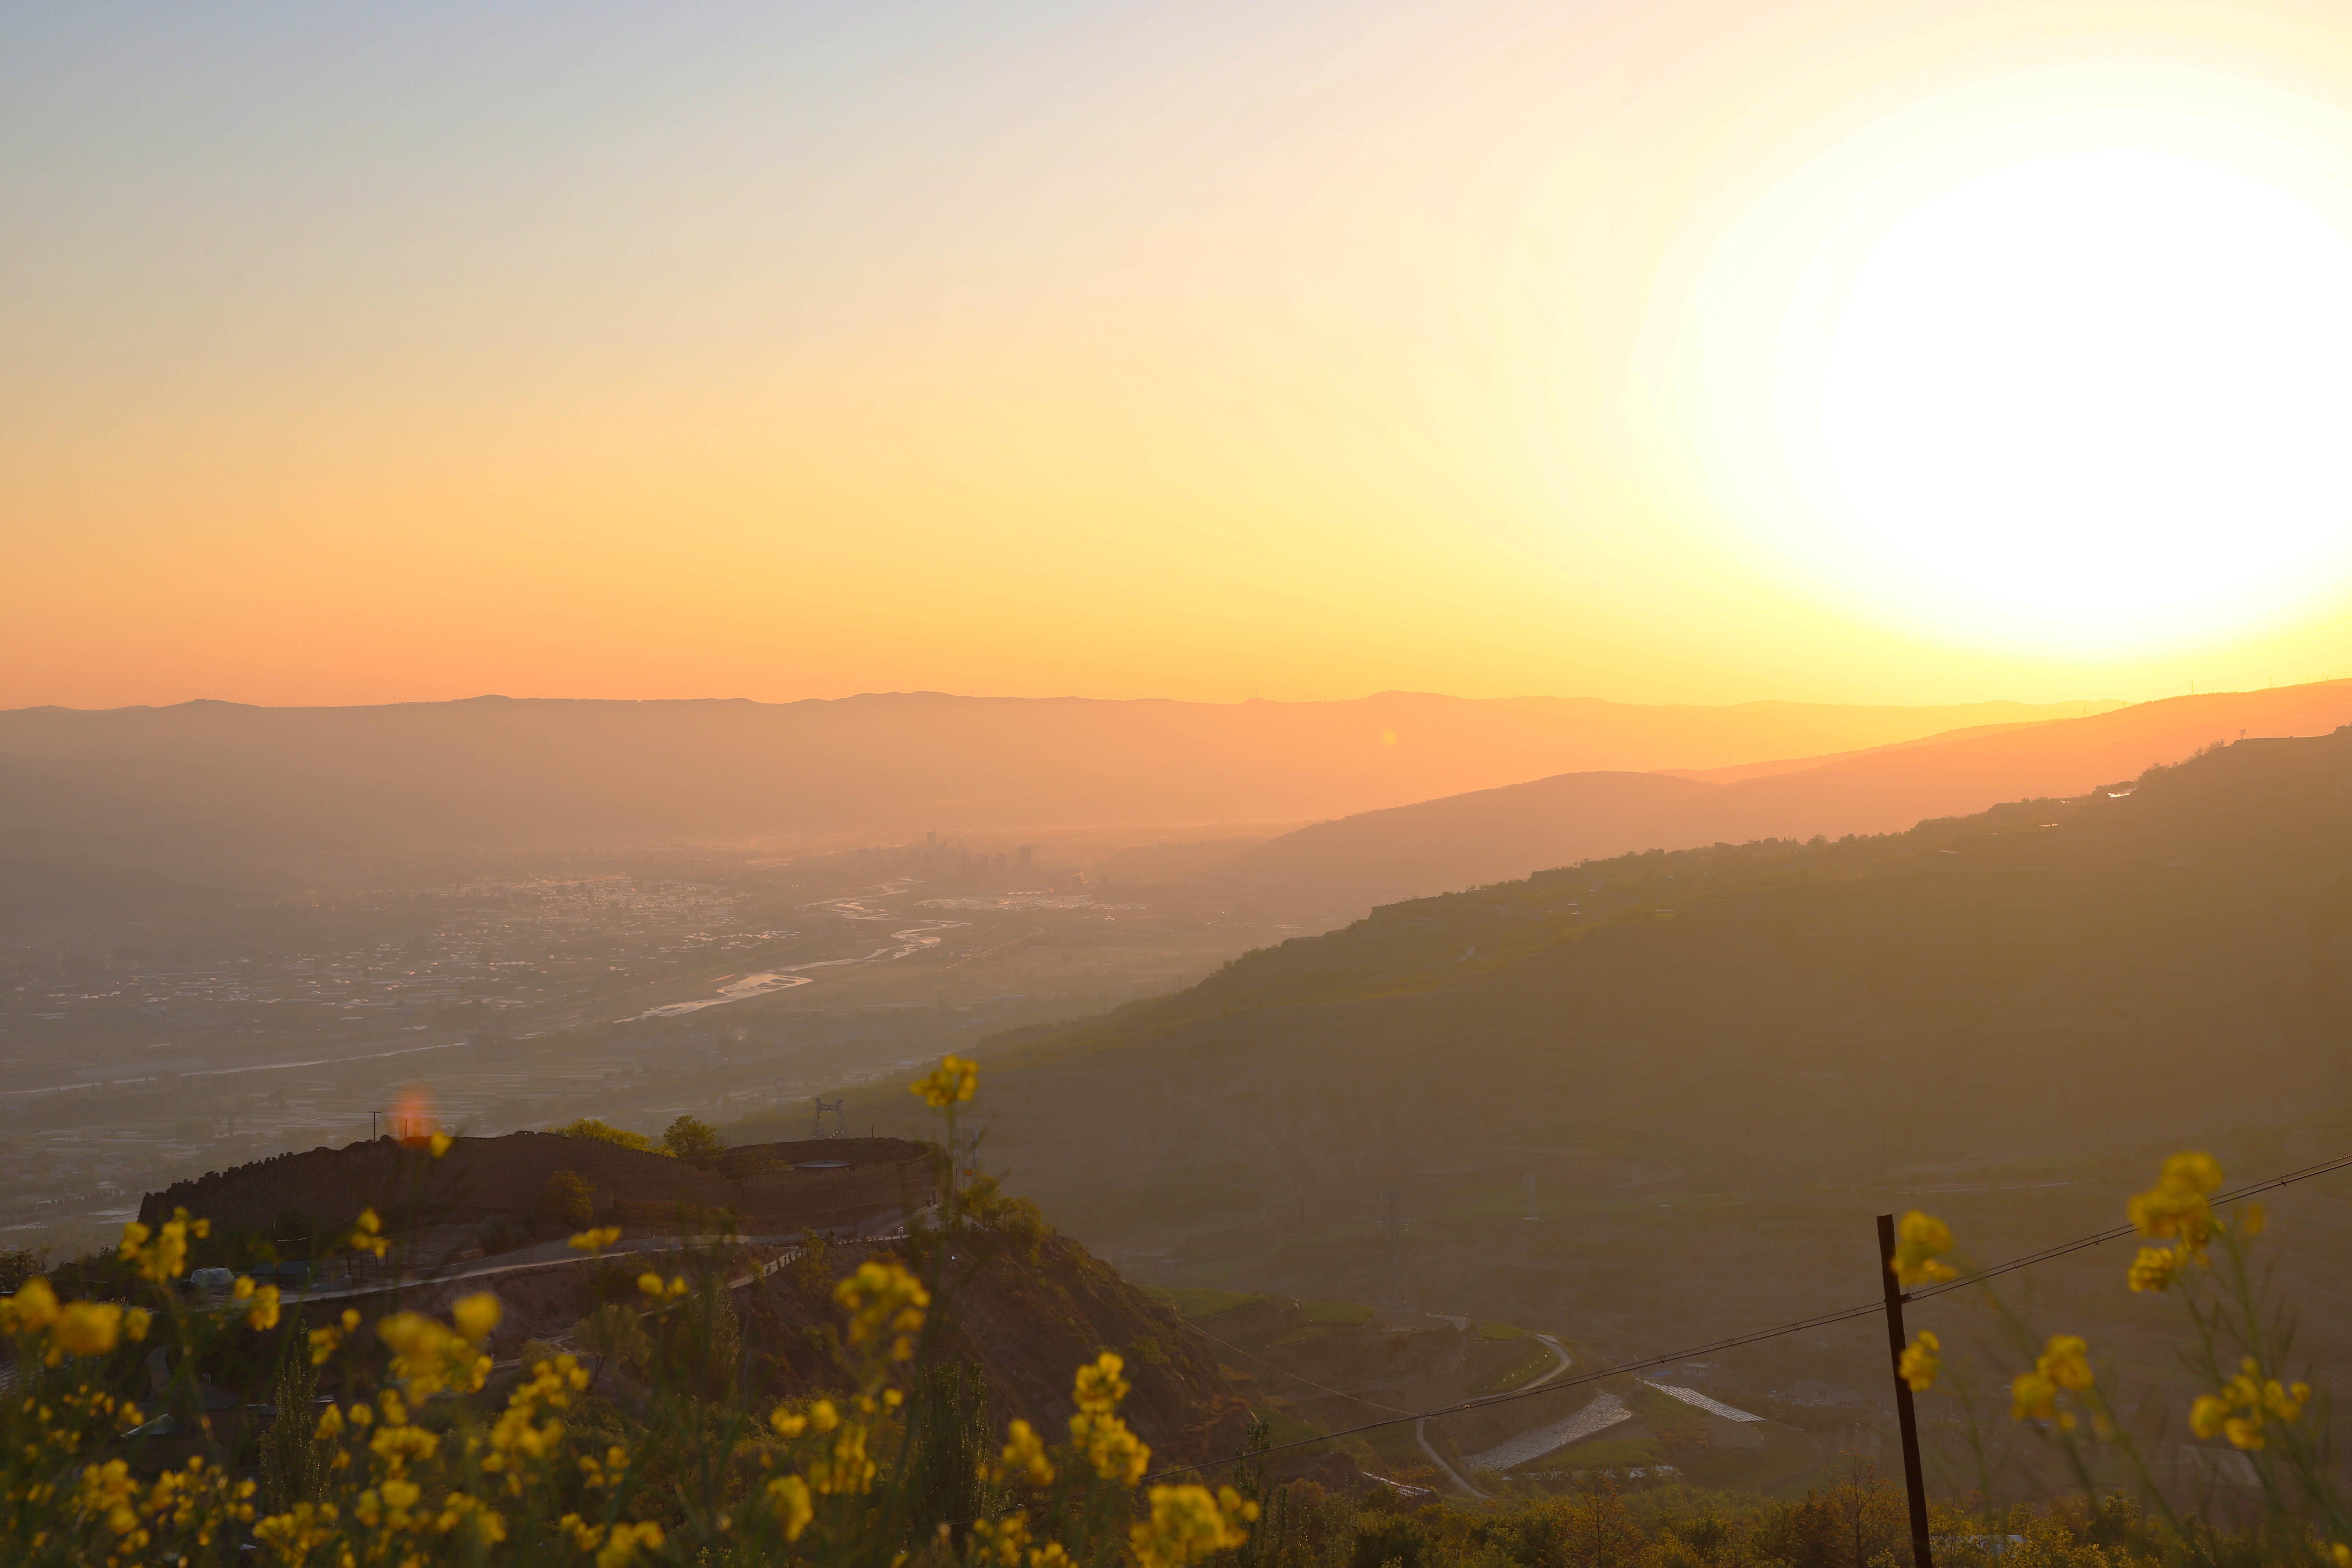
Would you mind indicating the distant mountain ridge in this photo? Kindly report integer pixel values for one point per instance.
(215, 784)
(1499, 835)
(1757, 1036)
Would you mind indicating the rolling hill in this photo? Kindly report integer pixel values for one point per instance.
(1486, 836)
(1711, 1066)
(217, 786)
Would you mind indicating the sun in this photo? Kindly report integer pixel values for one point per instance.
(2055, 361)
(2102, 390)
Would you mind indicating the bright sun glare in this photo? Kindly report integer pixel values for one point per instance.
(2101, 390)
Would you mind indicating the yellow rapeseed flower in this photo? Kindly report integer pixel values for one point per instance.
(2033, 1397)
(2156, 1267)
(788, 1499)
(427, 1356)
(1002, 1540)
(1024, 1453)
(2244, 1404)
(2177, 1206)
(1920, 1240)
(2064, 1365)
(883, 1299)
(367, 1235)
(31, 1309)
(161, 1255)
(2066, 1362)
(1188, 1524)
(1921, 1362)
(439, 1143)
(953, 1081)
(1098, 1385)
(263, 1314)
(595, 1240)
(84, 1328)
(477, 1315)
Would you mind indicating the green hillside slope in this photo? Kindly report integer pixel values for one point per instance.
(1702, 1072)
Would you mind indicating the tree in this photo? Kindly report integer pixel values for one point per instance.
(694, 1141)
(568, 1197)
(604, 1133)
(1597, 1530)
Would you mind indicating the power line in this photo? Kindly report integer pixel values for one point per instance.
(1822, 1320)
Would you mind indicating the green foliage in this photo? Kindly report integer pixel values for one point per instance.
(690, 1139)
(949, 1448)
(1602, 1452)
(1201, 1302)
(21, 1263)
(293, 1470)
(597, 1131)
(568, 1198)
(1350, 1314)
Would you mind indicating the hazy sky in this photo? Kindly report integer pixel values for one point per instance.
(1663, 350)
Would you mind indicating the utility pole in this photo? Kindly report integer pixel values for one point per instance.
(1396, 1281)
(1922, 1551)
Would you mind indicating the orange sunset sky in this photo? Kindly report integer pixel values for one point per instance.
(1907, 351)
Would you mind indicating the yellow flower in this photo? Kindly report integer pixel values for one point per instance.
(1025, 1453)
(2032, 1398)
(2177, 1206)
(2066, 1362)
(1003, 1540)
(1187, 1523)
(477, 1315)
(844, 1466)
(1096, 1431)
(263, 1314)
(32, 1309)
(428, 1357)
(883, 1299)
(788, 1497)
(1117, 1454)
(1921, 1363)
(2239, 1411)
(788, 1425)
(367, 1235)
(1100, 1386)
(439, 1143)
(84, 1328)
(165, 1256)
(595, 1240)
(1920, 1239)
(2155, 1268)
(952, 1082)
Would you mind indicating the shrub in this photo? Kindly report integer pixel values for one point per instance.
(597, 1131)
(568, 1198)
(694, 1141)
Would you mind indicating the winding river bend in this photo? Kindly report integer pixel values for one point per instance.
(913, 938)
